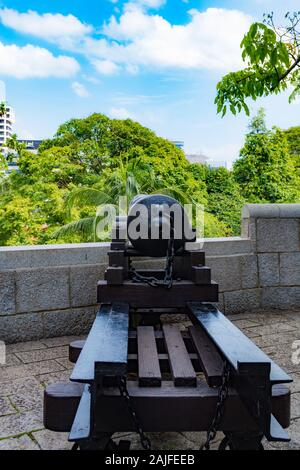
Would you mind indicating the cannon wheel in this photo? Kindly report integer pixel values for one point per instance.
(226, 444)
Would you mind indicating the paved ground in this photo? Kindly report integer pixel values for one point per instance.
(31, 366)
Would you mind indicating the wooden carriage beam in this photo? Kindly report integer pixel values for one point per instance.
(143, 296)
(106, 348)
(253, 373)
(165, 408)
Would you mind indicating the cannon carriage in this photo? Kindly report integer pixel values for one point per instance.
(133, 374)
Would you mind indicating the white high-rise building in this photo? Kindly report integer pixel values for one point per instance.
(7, 119)
(6, 123)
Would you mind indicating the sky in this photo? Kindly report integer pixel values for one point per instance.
(154, 61)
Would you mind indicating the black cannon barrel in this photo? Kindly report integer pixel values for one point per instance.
(153, 220)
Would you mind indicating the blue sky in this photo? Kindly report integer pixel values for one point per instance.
(156, 61)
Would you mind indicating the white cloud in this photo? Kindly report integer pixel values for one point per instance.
(52, 27)
(132, 69)
(91, 79)
(106, 67)
(31, 61)
(120, 113)
(80, 90)
(137, 39)
(210, 40)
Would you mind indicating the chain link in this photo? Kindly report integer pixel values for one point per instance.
(167, 282)
(220, 408)
(145, 441)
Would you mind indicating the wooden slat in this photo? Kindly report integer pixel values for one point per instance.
(180, 364)
(106, 347)
(209, 357)
(81, 425)
(140, 296)
(132, 364)
(75, 347)
(148, 363)
(231, 341)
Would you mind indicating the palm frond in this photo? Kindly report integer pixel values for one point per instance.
(82, 197)
(83, 227)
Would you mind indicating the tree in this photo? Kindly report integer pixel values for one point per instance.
(293, 138)
(272, 58)
(224, 198)
(87, 162)
(2, 108)
(264, 170)
(15, 148)
(130, 178)
(224, 203)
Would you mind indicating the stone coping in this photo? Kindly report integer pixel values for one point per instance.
(271, 211)
(20, 257)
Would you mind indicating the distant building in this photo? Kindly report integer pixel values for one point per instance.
(217, 164)
(31, 145)
(6, 124)
(178, 143)
(197, 158)
(7, 121)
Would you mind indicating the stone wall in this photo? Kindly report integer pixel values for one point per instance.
(48, 291)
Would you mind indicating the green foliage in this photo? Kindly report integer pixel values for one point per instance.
(29, 212)
(272, 57)
(293, 138)
(93, 161)
(88, 162)
(224, 198)
(265, 171)
(214, 228)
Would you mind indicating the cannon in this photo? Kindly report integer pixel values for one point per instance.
(153, 377)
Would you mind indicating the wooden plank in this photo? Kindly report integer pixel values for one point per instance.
(106, 347)
(194, 406)
(231, 341)
(180, 364)
(201, 275)
(118, 245)
(82, 423)
(184, 262)
(142, 296)
(132, 358)
(114, 276)
(75, 347)
(209, 357)
(117, 259)
(173, 408)
(148, 362)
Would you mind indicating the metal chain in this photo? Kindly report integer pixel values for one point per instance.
(220, 408)
(145, 441)
(168, 280)
(153, 281)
